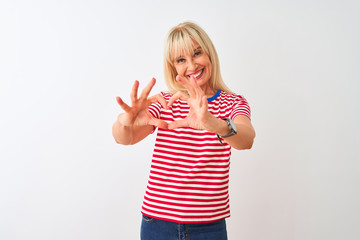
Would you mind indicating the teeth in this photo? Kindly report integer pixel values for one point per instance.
(197, 75)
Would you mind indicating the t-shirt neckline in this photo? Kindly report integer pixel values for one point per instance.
(215, 96)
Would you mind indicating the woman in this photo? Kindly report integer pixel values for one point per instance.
(198, 122)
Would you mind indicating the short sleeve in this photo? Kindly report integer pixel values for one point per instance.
(240, 107)
(155, 109)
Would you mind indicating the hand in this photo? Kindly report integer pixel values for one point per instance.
(138, 114)
(199, 117)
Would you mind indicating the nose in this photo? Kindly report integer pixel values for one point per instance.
(192, 65)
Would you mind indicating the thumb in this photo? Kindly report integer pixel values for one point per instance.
(204, 102)
(178, 124)
(122, 104)
(159, 123)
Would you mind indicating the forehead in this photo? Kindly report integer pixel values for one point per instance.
(184, 47)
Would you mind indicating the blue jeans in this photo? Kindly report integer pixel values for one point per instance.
(155, 229)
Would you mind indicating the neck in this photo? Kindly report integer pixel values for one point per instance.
(209, 92)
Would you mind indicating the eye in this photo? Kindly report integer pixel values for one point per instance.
(197, 53)
(180, 60)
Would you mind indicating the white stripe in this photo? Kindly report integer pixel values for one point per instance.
(184, 179)
(195, 144)
(186, 208)
(195, 168)
(190, 185)
(191, 197)
(192, 175)
(194, 148)
(186, 133)
(203, 158)
(188, 214)
(195, 163)
(206, 202)
(193, 130)
(188, 190)
(195, 154)
(215, 140)
(154, 113)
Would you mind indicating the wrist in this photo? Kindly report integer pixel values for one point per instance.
(232, 130)
(124, 121)
(216, 125)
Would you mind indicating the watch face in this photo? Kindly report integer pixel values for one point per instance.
(232, 128)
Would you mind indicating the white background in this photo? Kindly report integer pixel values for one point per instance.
(62, 63)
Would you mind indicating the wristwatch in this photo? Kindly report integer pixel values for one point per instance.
(232, 128)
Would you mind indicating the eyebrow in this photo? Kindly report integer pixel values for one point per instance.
(199, 47)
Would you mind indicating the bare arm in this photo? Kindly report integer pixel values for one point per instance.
(136, 122)
(129, 135)
(245, 132)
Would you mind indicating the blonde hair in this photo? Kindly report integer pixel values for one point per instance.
(179, 40)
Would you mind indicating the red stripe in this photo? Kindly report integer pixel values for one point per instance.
(187, 194)
(216, 144)
(190, 149)
(189, 182)
(191, 155)
(186, 205)
(189, 176)
(186, 187)
(184, 216)
(177, 136)
(189, 171)
(220, 199)
(189, 132)
(185, 211)
(196, 164)
(191, 161)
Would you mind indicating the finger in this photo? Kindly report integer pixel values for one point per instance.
(159, 123)
(160, 99)
(134, 91)
(178, 124)
(204, 102)
(146, 91)
(176, 96)
(185, 83)
(122, 104)
(197, 89)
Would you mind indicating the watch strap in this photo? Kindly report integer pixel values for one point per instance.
(232, 129)
(231, 126)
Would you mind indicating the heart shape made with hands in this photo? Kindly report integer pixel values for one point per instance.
(138, 114)
(199, 115)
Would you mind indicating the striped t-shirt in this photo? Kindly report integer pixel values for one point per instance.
(189, 173)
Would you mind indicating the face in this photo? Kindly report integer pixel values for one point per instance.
(196, 64)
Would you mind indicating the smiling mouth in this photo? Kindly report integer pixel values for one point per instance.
(197, 75)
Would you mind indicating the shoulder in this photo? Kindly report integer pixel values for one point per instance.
(232, 97)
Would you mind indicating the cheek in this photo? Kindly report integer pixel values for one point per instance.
(207, 63)
(179, 70)
(209, 67)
